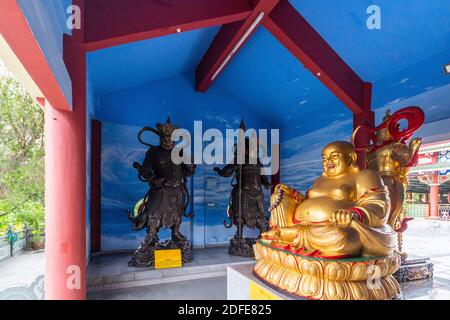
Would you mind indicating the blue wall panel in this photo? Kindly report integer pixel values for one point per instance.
(122, 115)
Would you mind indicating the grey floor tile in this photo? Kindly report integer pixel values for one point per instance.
(202, 289)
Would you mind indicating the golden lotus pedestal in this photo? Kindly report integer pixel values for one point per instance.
(363, 278)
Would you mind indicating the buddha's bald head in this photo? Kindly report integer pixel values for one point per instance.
(338, 157)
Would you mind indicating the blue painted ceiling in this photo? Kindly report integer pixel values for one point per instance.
(132, 64)
(404, 60)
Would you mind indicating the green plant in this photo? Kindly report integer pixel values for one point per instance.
(21, 156)
(417, 197)
(37, 238)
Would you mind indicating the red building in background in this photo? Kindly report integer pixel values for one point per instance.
(429, 186)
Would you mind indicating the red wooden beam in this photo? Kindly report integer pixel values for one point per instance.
(227, 43)
(15, 30)
(275, 179)
(365, 118)
(300, 38)
(113, 22)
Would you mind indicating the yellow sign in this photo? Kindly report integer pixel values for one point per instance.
(259, 293)
(168, 259)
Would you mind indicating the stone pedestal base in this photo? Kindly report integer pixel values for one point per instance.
(242, 284)
(414, 269)
(243, 248)
(144, 256)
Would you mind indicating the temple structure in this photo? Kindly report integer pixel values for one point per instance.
(428, 192)
(314, 70)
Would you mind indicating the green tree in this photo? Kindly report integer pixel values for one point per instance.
(21, 155)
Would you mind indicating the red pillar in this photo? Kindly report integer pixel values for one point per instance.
(275, 179)
(410, 197)
(65, 184)
(365, 118)
(434, 202)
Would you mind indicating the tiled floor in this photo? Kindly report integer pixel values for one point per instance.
(22, 276)
(215, 288)
(428, 289)
(429, 239)
(422, 239)
(111, 271)
(201, 289)
(21, 270)
(109, 265)
(433, 243)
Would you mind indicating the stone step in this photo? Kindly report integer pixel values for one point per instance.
(112, 272)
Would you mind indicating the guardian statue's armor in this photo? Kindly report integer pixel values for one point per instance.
(246, 206)
(166, 200)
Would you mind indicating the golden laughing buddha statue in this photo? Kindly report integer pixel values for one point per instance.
(337, 241)
(344, 215)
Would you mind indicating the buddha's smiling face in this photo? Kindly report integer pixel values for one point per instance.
(335, 161)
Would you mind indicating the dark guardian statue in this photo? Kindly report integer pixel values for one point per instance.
(166, 201)
(246, 206)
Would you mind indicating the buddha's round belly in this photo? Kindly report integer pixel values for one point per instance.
(320, 209)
